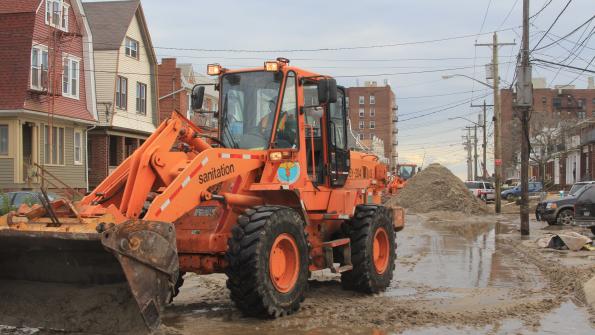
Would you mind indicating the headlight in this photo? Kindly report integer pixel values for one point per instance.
(551, 205)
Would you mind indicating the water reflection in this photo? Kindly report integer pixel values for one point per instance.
(456, 256)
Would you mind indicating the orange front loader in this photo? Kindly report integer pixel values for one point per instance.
(404, 173)
(276, 195)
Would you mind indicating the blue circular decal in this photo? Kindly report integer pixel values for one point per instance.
(288, 172)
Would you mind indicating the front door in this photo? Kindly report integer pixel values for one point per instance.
(27, 153)
(338, 152)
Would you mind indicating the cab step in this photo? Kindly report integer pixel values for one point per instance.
(343, 243)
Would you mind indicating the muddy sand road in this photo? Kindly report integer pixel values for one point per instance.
(453, 276)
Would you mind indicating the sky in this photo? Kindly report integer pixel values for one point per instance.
(412, 44)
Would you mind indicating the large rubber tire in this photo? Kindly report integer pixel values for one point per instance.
(565, 217)
(367, 223)
(252, 286)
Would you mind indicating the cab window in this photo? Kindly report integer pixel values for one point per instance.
(286, 135)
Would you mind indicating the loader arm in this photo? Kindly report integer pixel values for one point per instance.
(152, 168)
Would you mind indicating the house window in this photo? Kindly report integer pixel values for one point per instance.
(582, 103)
(53, 145)
(70, 78)
(361, 125)
(557, 102)
(39, 68)
(141, 98)
(360, 136)
(543, 100)
(581, 115)
(372, 111)
(78, 147)
(361, 112)
(362, 100)
(372, 100)
(371, 136)
(122, 92)
(131, 48)
(56, 14)
(372, 124)
(3, 139)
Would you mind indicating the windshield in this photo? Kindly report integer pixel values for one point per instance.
(406, 172)
(249, 102)
(576, 189)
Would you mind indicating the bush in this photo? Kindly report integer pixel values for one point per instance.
(5, 206)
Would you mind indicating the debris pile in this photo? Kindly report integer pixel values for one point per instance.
(437, 189)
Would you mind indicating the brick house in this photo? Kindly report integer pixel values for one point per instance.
(572, 106)
(126, 85)
(47, 96)
(175, 88)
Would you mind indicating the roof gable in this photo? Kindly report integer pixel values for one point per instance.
(109, 22)
(21, 6)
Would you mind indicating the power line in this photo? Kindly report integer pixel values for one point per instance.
(373, 46)
(580, 74)
(508, 15)
(443, 109)
(324, 59)
(552, 25)
(565, 36)
(566, 66)
(433, 95)
(485, 16)
(402, 73)
(541, 10)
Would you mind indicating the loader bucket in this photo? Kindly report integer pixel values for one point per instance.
(110, 282)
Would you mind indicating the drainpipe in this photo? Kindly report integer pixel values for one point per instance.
(87, 155)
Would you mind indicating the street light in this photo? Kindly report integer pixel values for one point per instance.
(448, 76)
(462, 118)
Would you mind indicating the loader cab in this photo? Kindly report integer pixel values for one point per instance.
(263, 109)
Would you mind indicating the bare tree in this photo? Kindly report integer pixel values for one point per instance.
(548, 135)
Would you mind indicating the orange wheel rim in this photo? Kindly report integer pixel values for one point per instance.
(284, 263)
(381, 250)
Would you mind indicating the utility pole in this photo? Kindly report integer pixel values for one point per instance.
(475, 151)
(473, 145)
(484, 146)
(467, 145)
(497, 118)
(522, 105)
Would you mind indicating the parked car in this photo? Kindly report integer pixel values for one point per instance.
(482, 189)
(561, 211)
(584, 209)
(12, 200)
(534, 187)
(510, 183)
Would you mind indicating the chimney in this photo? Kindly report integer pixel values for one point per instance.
(591, 84)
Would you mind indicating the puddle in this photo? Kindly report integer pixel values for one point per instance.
(457, 257)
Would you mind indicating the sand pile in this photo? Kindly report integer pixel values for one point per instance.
(437, 189)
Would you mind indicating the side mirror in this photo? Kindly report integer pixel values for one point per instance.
(198, 95)
(327, 91)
